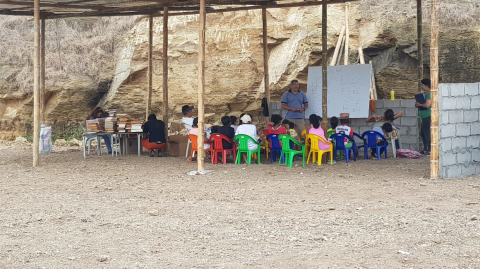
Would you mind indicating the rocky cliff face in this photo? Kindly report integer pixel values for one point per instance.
(234, 63)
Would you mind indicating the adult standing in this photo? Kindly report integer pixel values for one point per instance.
(295, 103)
(424, 112)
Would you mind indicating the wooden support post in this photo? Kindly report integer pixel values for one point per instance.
(420, 43)
(347, 35)
(434, 155)
(36, 81)
(337, 47)
(165, 73)
(341, 49)
(201, 86)
(360, 55)
(42, 73)
(324, 65)
(265, 55)
(150, 67)
(373, 87)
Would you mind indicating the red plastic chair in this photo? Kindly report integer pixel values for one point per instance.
(193, 139)
(217, 140)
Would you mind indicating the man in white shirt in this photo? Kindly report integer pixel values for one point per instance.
(187, 112)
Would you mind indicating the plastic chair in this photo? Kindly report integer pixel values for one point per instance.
(266, 147)
(288, 153)
(370, 138)
(340, 145)
(86, 139)
(189, 144)
(217, 140)
(193, 139)
(355, 135)
(242, 147)
(276, 147)
(307, 143)
(394, 139)
(314, 139)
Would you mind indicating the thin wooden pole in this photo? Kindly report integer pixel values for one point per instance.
(265, 55)
(360, 55)
(165, 72)
(36, 81)
(434, 168)
(324, 64)
(42, 74)
(337, 47)
(347, 35)
(201, 86)
(420, 43)
(341, 49)
(150, 44)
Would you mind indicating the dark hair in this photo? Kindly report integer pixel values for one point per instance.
(186, 109)
(152, 117)
(334, 122)
(389, 115)
(314, 120)
(387, 127)
(195, 122)
(293, 81)
(276, 119)
(95, 112)
(344, 121)
(426, 82)
(285, 121)
(233, 119)
(291, 125)
(226, 121)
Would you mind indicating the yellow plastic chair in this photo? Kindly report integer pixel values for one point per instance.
(314, 139)
(266, 147)
(307, 143)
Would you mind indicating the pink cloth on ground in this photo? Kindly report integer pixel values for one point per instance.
(321, 133)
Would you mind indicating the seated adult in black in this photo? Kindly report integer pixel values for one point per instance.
(155, 130)
(227, 131)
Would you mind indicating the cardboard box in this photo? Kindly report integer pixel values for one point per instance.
(177, 145)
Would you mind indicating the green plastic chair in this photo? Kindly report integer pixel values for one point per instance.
(289, 153)
(242, 147)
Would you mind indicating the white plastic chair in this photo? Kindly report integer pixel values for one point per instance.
(189, 144)
(392, 139)
(86, 139)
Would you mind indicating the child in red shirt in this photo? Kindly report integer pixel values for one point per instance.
(277, 127)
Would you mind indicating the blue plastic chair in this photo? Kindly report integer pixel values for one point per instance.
(274, 142)
(361, 139)
(370, 138)
(340, 145)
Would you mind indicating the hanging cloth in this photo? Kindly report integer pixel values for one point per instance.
(265, 107)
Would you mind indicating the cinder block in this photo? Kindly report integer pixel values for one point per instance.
(455, 116)
(454, 171)
(464, 157)
(404, 131)
(364, 129)
(470, 115)
(413, 131)
(410, 111)
(444, 89)
(475, 128)
(443, 117)
(475, 155)
(463, 129)
(471, 89)
(448, 130)
(379, 104)
(477, 168)
(407, 103)
(408, 121)
(391, 104)
(448, 103)
(358, 122)
(445, 144)
(457, 89)
(381, 111)
(463, 102)
(459, 143)
(468, 170)
(473, 141)
(409, 139)
(475, 102)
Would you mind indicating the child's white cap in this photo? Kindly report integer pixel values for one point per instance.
(246, 118)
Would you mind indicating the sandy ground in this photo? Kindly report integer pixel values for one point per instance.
(142, 212)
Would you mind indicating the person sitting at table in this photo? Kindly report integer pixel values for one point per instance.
(154, 131)
(96, 114)
(194, 131)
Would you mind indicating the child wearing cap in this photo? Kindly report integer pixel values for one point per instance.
(247, 128)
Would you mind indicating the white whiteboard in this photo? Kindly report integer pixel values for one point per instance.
(348, 90)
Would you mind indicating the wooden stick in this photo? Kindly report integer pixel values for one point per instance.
(347, 35)
(165, 74)
(201, 86)
(42, 72)
(420, 43)
(150, 43)
(324, 65)
(360, 55)
(265, 54)
(341, 50)
(373, 86)
(434, 157)
(337, 47)
(36, 82)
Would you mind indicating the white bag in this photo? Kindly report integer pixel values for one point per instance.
(45, 139)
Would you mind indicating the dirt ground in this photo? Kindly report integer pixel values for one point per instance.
(143, 212)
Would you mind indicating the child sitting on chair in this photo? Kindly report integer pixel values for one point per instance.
(333, 126)
(345, 129)
(277, 127)
(386, 128)
(290, 126)
(234, 122)
(194, 131)
(247, 128)
(316, 129)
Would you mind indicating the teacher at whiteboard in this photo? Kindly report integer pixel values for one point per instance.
(295, 103)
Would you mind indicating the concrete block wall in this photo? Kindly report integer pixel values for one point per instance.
(459, 127)
(408, 124)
